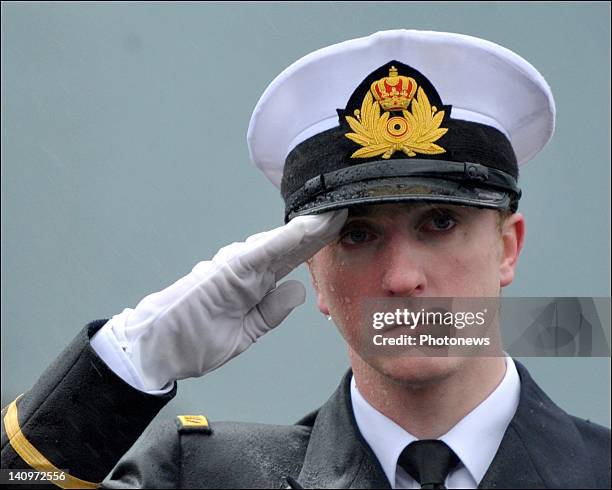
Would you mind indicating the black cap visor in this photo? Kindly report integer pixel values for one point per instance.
(402, 189)
(453, 183)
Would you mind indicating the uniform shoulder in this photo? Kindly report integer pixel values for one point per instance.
(212, 454)
(594, 435)
(596, 440)
(265, 454)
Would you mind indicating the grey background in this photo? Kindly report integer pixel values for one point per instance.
(124, 162)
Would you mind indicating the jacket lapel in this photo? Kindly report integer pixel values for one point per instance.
(337, 455)
(541, 448)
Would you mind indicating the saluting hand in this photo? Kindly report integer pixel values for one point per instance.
(223, 305)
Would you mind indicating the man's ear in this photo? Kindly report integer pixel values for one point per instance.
(311, 263)
(513, 237)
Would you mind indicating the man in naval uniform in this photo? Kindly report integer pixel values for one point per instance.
(397, 157)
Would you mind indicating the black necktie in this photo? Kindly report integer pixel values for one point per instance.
(428, 462)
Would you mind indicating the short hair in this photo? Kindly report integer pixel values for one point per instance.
(502, 216)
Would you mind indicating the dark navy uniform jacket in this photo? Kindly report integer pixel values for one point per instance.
(82, 418)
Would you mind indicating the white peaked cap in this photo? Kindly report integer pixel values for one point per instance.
(483, 81)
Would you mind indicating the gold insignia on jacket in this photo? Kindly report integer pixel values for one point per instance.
(415, 131)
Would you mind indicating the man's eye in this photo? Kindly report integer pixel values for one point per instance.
(356, 237)
(442, 222)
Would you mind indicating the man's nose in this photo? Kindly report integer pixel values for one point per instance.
(403, 273)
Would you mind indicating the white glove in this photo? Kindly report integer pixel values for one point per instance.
(223, 305)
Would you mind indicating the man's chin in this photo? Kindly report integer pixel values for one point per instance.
(416, 371)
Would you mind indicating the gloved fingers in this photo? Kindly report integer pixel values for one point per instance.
(229, 252)
(238, 250)
(310, 245)
(274, 307)
(290, 245)
(259, 236)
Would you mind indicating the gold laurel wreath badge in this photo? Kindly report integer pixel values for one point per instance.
(413, 133)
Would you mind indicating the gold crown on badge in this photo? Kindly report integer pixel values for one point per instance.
(394, 92)
(415, 131)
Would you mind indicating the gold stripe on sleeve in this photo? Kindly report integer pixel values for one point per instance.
(33, 457)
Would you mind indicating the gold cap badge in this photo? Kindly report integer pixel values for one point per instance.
(415, 131)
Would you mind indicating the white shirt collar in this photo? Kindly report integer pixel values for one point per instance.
(475, 438)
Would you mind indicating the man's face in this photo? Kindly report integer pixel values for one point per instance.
(413, 250)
